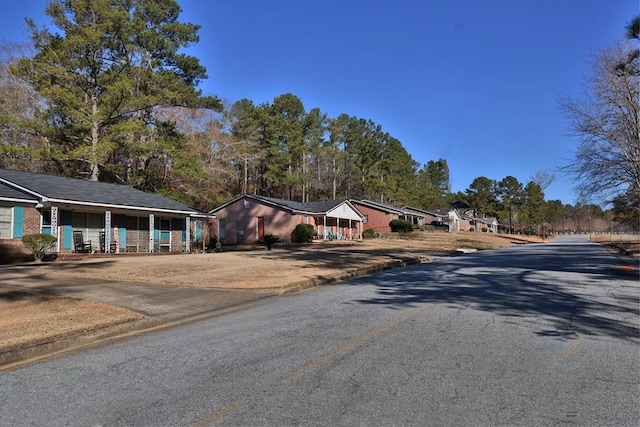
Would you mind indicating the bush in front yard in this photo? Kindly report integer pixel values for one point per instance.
(369, 233)
(303, 233)
(215, 245)
(401, 226)
(39, 244)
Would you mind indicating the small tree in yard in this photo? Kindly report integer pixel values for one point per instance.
(39, 244)
(269, 240)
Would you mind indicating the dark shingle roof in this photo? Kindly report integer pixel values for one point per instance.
(311, 207)
(10, 193)
(381, 206)
(47, 187)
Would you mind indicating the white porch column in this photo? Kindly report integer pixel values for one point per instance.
(107, 232)
(187, 243)
(151, 228)
(324, 227)
(54, 226)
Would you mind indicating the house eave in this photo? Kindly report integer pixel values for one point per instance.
(120, 207)
(17, 200)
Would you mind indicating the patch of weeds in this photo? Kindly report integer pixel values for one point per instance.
(473, 244)
(627, 248)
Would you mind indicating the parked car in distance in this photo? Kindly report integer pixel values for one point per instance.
(439, 225)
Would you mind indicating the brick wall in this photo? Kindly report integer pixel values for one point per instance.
(241, 218)
(31, 223)
(12, 250)
(376, 220)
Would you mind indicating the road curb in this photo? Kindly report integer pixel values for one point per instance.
(37, 352)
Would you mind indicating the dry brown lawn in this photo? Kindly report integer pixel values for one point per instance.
(259, 268)
(29, 316)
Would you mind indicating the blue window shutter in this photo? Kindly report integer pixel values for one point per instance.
(199, 230)
(122, 229)
(184, 229)
(18, 222)
(67, 229)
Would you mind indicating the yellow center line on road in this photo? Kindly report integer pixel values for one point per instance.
(215, 416)
(352, 343)
(573, 349)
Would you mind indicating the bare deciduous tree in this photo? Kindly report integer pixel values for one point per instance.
(19, 105)
(606, 120)
(543, 178)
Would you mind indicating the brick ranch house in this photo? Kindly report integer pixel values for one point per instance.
(379, 215)
(248, 217)
(129, 219)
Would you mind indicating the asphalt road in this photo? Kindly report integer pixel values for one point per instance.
(532, 335)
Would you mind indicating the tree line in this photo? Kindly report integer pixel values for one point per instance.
(106, 94)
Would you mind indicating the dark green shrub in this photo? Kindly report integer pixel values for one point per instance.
(485, 229)
(401, 226)
(303, 233)
(39, 244)
(369, 234)
(214, 244)
(269, 240)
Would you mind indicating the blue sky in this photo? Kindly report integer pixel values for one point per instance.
(475, 82)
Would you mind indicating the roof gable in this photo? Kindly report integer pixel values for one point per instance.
(345, 210)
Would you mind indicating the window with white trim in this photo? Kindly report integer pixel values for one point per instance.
(46, 222)
(6, 215)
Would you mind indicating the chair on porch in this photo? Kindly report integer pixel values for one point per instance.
(112, 245)
(79, 244)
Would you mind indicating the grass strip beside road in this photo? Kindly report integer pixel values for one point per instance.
(29, 317)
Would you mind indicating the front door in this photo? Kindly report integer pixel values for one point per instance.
(260, 227)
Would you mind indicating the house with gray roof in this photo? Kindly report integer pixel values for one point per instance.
(379, 215)
(448, 216)
(247, 218)
(129, 219)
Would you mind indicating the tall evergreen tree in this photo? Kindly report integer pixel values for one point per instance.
(103, 72)
(397, 173)
(483, 196)
(314, 129)
(433, 185)
(511, 196)
(534, 205)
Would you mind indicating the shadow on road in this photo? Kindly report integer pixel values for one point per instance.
(576, 288)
